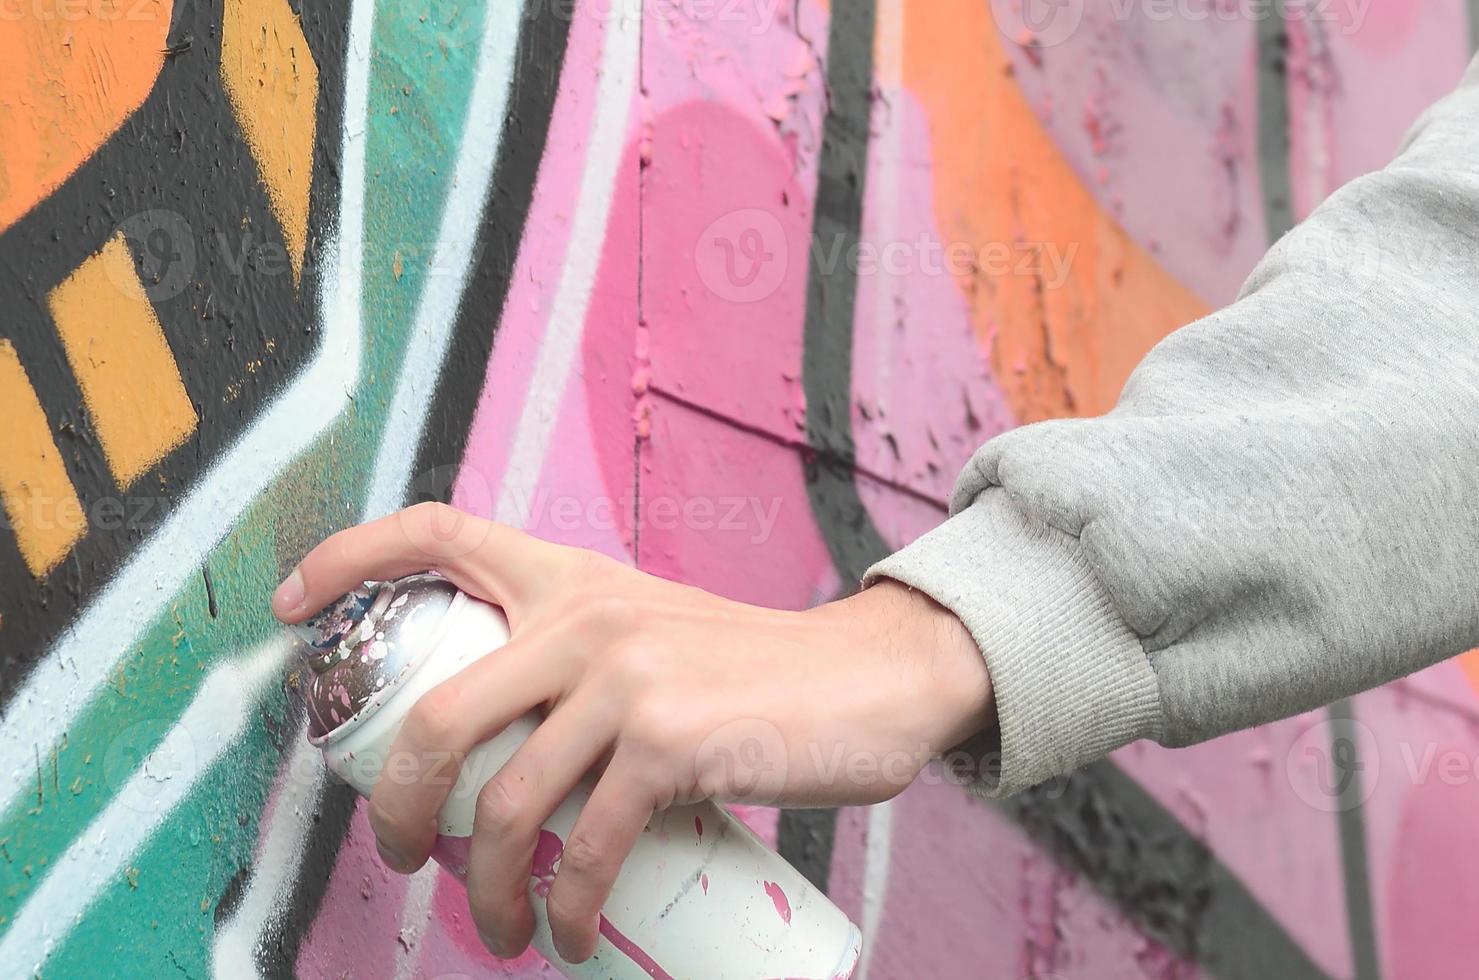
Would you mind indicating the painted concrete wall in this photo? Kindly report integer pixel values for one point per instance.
(726, 288)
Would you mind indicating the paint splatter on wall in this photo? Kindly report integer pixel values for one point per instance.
(727, 290)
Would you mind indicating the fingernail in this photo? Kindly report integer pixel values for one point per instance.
(493, 945)
(289, 595)
(392, 858)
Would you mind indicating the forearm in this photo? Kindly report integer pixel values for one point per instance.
(1274, 516)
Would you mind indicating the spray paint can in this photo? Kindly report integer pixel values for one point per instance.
(700, 897)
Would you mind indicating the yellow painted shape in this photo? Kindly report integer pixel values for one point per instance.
(1057, 347)
(70, 75)
(272, 81)
(40, 503)
(122, 362)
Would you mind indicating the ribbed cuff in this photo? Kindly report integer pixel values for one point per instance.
(1071, 680)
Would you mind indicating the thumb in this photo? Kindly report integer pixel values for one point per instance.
(488, 560)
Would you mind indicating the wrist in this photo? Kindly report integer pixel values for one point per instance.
(945, 695)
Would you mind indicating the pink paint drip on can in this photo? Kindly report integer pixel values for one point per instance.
(696, 898)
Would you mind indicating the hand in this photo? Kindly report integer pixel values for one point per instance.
(655, 685)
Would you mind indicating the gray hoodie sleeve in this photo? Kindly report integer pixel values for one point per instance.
(1279, 512)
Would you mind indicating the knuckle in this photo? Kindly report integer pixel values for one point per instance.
(430, 511)
(441, 532)
(436, 719)
(340, 547)
(659, 733)
(599, 614)
(584, 856)
(388, 826)
(629, 669)
(498, 811)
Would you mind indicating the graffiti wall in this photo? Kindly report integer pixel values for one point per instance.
(727, 289)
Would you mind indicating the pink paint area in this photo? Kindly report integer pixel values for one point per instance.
(726, 235)
(543, 254)
(1379, 27)
(452, 853)
(1342, 68)
(913, 329)
(359, 919)
(1159, 118)
(778, 898)
(1433, 876)
(1227, 792)
(737, 521)
(777, 86)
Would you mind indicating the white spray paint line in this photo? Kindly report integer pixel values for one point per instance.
(279, 855)
(618, 74)
(415, 916)
(887, 182)
(222, 707)
(877, 858)
(285, 837)
(82, 659)
(457, 241)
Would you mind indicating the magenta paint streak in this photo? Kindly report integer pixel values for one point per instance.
(451, 853)
(546, 855)
(778, 896)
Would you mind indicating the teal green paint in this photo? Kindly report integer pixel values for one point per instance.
(151, 922)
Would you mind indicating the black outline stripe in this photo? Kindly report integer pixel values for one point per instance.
(1104, 826)
(807, 838)
(1273, 120)
(1351, 823)
(1274, 154)
(537, 72)
(1100, 823)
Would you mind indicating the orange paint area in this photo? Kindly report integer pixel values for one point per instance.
(72, 73)
(1469, 663)
(272, 80)
(122, 362)
(40, 504)
(1065, 328)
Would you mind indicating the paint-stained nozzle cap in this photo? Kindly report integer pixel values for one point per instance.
(360, 646)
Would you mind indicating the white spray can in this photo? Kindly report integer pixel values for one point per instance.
(700, 897)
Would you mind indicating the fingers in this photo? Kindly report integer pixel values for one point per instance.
(607, 830)
(444, 725)
(511, 809)
(487, 559)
